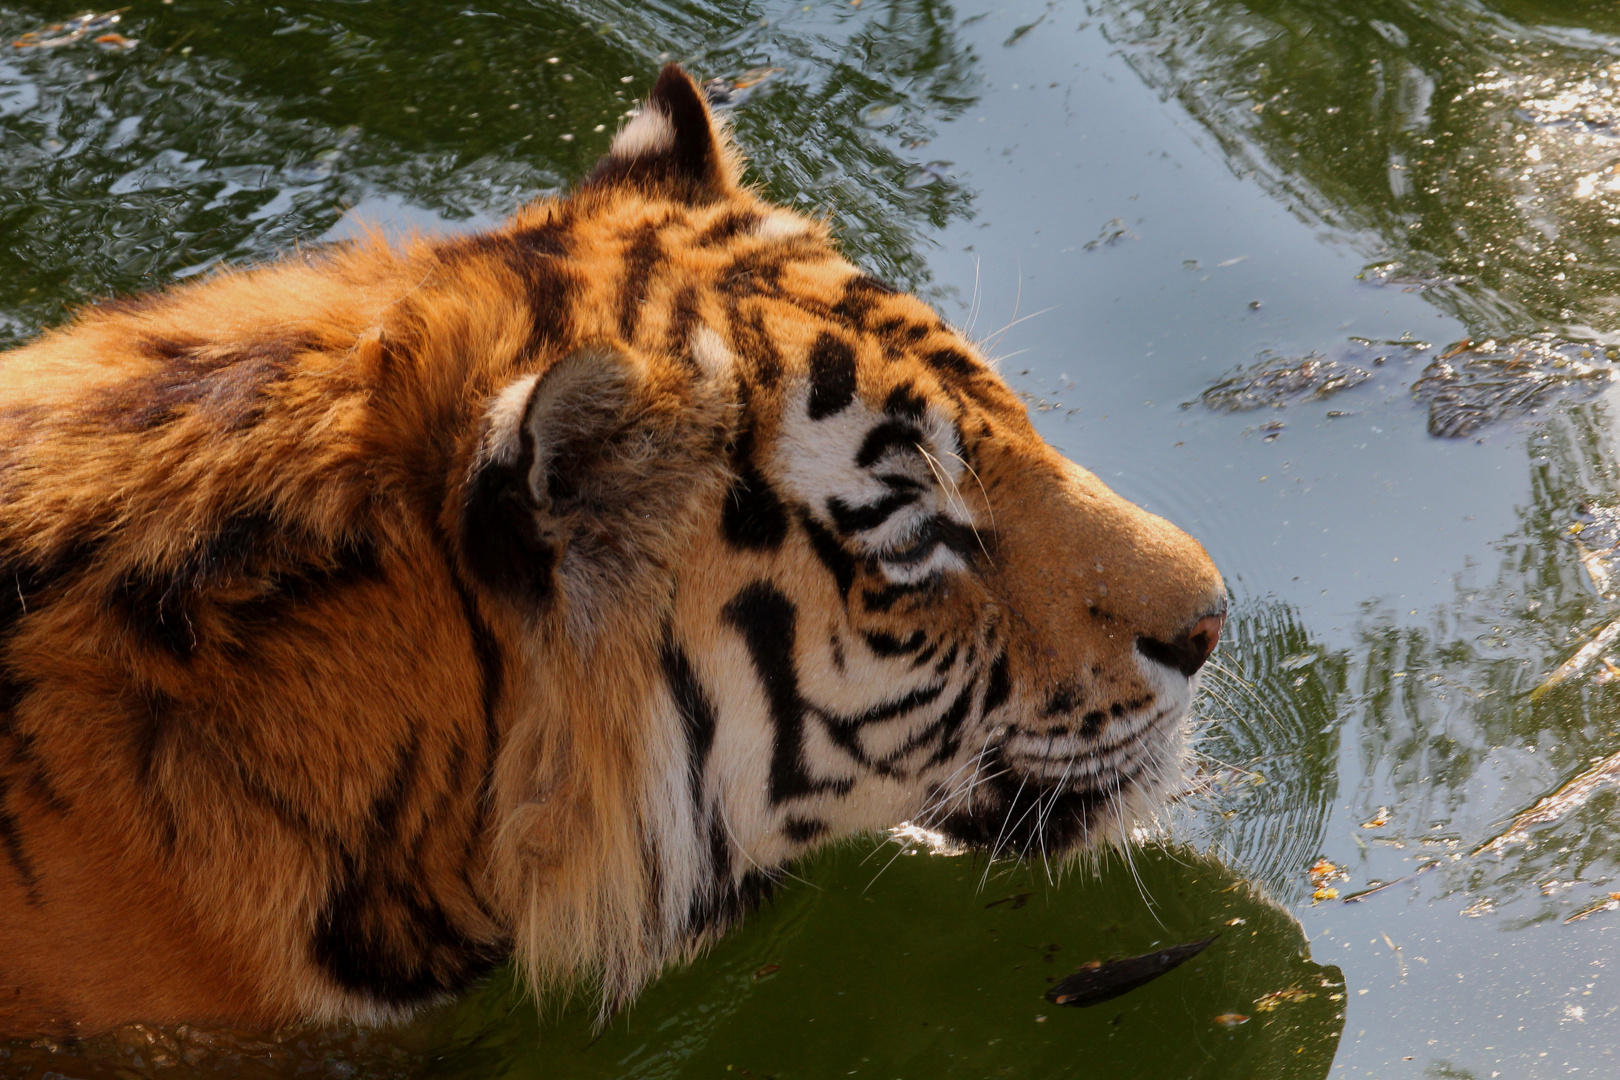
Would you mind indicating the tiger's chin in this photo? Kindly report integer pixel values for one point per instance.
(1053, 797)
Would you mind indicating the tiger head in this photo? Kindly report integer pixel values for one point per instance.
(793, 564)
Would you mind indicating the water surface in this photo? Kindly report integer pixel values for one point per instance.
(1128, 202)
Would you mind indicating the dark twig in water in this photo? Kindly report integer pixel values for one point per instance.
(1098, 982)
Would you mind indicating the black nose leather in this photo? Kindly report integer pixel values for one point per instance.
(1188, 652)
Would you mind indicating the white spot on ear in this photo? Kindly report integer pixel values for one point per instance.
(504, 417)
(711, 354)
(781, 225)
(648, 132)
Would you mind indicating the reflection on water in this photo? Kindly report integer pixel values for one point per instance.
(1471, 154)
(234, 131)
(1268, 753)
(1470, 701)
(915, 968)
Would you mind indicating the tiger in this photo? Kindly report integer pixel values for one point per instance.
(404, 607)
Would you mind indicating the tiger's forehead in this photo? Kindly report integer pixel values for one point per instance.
(792, 312)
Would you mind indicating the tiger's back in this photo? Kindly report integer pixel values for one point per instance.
(369, 615)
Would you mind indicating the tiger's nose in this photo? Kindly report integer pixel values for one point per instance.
(1188, 652)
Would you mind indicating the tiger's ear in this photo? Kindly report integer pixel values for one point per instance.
(674, 145)
(582, 477)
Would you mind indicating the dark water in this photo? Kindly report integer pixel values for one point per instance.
(1425, 192)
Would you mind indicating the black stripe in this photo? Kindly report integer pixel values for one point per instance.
(832, 376)
(491, 670)
(752, 342)
(888, 710)
(381, 931)
(999, 688)
(752, 516)
(861, 294)
(832, 553)
(696, 712)
(682, 318)
(881, 600)
(639, 262)
(883, 644)
(889, 435)
(16, 854)
(803, 830)
(849, 519)
(904, 401)
(767, 621)
(730, 224)
(950, 725)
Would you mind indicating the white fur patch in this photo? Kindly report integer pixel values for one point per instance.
(815, 461)
(505, 416)
(648, 132)
(710, 351)
(781, 225)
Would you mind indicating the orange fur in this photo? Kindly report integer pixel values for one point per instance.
(312, 710)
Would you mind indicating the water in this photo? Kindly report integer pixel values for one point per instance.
(1129, 201)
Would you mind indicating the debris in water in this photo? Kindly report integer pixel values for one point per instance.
(1379, 820)
(1097, 981)
(1292, 995)
(1323, 872)
(1324, 893)
(1017, 900)
(1019, 32)
(1483, 906)
(1276, 380)
(1583, 658)
(97, 27)
(1573, 795)
(730, 93)
(1113, 231)
(1231, 1020)
(1605, 903)
(1595, 532)
(1471, 384)
(1398, 274)
(1375, 887)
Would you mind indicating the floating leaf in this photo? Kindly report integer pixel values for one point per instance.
(1379, 819)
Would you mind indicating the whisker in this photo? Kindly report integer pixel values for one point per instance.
(1018, 297)
(990, 342)
(996, 847)
(907, 846)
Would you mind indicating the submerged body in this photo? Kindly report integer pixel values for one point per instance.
(370, 616)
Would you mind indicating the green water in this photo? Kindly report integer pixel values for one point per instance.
(1178, 189)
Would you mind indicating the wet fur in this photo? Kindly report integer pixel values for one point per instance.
(375, 614)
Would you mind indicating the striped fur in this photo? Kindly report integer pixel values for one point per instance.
(371, 616)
